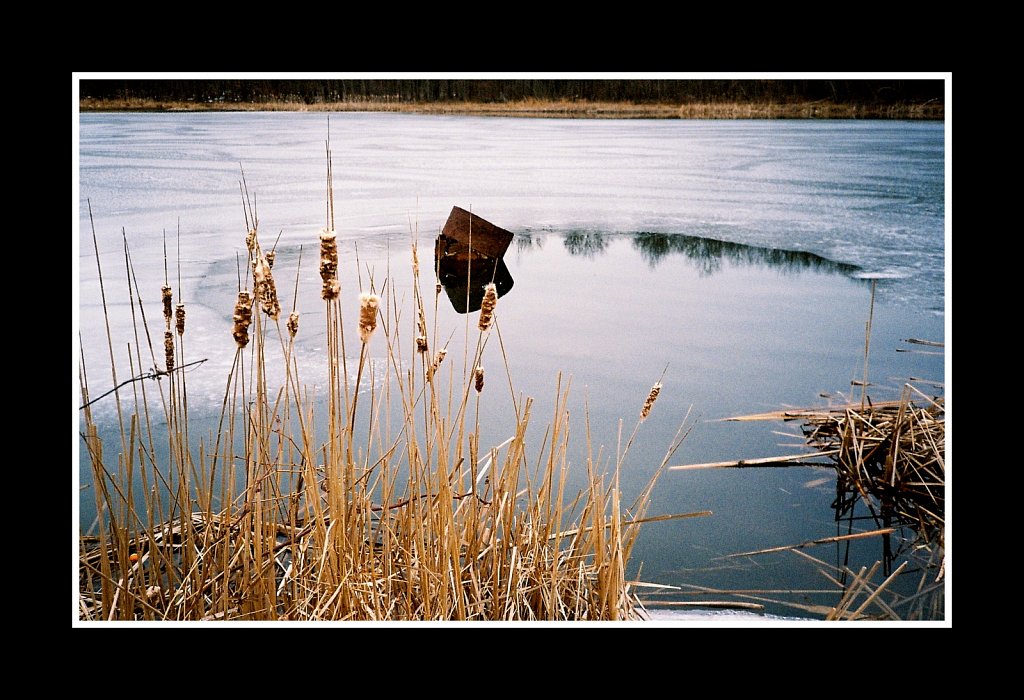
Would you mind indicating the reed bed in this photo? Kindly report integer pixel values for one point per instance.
(891, 457)
(378, 501)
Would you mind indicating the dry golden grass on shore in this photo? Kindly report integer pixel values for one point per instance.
(569, 109)
(380, 501)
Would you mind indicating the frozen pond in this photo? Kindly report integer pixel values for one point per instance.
(731, 253)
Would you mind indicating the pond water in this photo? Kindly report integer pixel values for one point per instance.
(729, 259)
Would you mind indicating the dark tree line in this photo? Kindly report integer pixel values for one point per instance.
(867, 91)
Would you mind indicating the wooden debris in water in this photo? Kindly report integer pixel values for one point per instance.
(780, 461)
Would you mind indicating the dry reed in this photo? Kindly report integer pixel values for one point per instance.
(275, 521)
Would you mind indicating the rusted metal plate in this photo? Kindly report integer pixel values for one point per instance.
(478, 234)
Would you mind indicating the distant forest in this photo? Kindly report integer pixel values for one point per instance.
(867, 91)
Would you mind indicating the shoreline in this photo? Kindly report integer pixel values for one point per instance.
(552, 109)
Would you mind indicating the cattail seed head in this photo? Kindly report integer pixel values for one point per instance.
(293, 323)
(329, 264)
(270, 259)
(651, 398)
(169, 350)
(490, 300)
(242, 317)
(421, 343)
(437, 289)
(250, 239)
(478, 378)
(167, 304)
(438, 359)
(368, 305)
(179, 318)
(265, 289)
(415, 262)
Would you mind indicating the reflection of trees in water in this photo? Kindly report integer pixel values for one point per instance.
(709, 254)
(585, 243)
(528, 241)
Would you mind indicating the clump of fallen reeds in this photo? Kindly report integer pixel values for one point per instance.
(891, 456)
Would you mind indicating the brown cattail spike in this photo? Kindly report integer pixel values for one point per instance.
(179, 318)
(490, 300)
(265, 289)
(270, 259)
(293, 323)
(421, 343)
(250, 239)
(651, 398)
(329, 264)
(167, 304)
(478, 378)
(242, 317)
(438, 359)
(169, 350)
(368, 305)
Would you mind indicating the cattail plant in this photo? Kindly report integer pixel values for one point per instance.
(179, 319)
(270, 259)
(250, 240)
(490, 300)
(242, 317)
(478, 378)
(169, 350)
(166, 293)
(293, 323)
(421, 343)
(651, 398)
(329, 264)
(368, 305)
(265, 289)
(438, 359)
